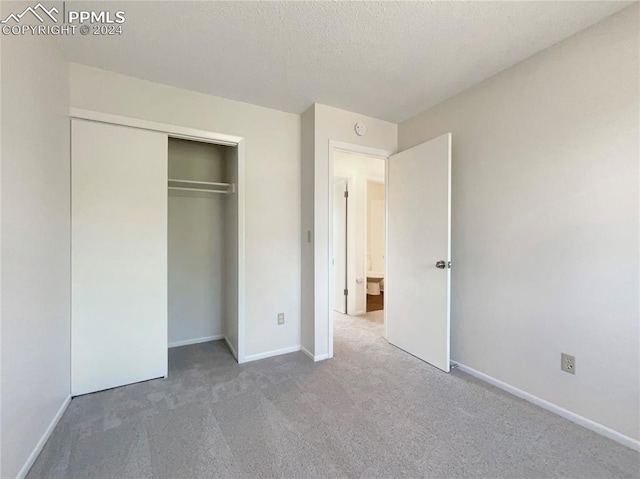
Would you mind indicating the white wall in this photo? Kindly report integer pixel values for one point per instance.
(545, 222)
(272, 185)
(376, 230)
(196, 234)
(321, 124)
(360, 169)
(307, 136)
(35, 251)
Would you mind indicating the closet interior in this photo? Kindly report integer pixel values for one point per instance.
(202, 243)
(155, 232)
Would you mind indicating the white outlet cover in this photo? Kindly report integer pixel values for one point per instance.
(361, 129)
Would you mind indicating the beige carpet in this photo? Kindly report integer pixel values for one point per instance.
(371, 412)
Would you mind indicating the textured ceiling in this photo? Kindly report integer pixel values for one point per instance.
(385, 59)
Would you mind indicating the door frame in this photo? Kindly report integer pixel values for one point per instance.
(204, 136)
(366, 234)
(348, 181)
(360, 150)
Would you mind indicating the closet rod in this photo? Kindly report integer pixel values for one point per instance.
(224, 192)
(198, 182)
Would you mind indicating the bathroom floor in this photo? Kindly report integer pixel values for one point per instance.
(375, 302)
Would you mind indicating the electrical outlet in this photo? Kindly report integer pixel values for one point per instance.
(280, 318)
(568, 363)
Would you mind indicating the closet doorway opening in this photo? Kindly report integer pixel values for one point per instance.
(202, 252)
(130, 217)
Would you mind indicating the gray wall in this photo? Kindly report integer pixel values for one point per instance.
(196, 284)
(35, 251)
(545, 222)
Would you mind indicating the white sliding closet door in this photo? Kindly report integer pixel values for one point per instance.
(119, 256)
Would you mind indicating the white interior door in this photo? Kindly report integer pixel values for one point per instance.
(119, 256)
(419, 250)
(339, 246)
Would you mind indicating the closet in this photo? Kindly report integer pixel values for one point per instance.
(156, 247)
(202, 264)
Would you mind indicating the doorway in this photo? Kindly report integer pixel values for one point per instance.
(202, 254)
(376, 218)
(358, 239)
(417, 249)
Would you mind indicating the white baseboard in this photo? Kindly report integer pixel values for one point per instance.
(554, 408)
(313, 357)
(307, 353)
(43, 440)
(233, 350)
(187, 342)
(269, 354)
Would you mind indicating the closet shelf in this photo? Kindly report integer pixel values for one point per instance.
(202, 186)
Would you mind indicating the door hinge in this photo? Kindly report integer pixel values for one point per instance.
(346, 194)
(346, 292)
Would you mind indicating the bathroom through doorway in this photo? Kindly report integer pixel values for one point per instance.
(359, 238)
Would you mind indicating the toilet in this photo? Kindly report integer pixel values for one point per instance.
(375, 282)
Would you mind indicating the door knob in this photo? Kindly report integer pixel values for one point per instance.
(441, 264)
